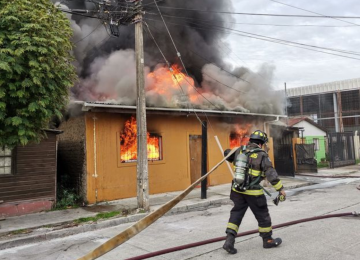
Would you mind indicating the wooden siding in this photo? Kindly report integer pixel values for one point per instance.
(35, 173)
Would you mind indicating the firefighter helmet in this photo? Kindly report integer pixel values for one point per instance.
(259, 135)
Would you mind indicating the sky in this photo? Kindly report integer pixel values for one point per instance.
(297, 67)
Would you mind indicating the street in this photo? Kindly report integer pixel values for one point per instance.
(334, 238)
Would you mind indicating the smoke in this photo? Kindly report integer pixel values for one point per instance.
(106, 65)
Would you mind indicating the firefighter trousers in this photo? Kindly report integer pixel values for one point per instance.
(258, 206)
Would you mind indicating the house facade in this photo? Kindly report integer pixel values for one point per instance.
(28, 177)
(98, 148)
(312, 133)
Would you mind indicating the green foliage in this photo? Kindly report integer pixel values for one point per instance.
(35, 68)
(67, 199)
(322, 165)
(103, 215)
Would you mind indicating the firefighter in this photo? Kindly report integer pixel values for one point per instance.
(251, 194)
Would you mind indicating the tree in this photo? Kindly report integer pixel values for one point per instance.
(35, 68)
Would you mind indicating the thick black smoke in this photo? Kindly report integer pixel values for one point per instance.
(106, 64)
(188, 38)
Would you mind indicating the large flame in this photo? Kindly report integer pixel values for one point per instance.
(128, 141)
(166, 83)
(240, 135)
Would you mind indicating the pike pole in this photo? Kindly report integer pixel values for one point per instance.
(148, 220)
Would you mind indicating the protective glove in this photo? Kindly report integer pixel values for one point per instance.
(281, 197)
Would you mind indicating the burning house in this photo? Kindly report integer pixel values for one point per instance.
(98, 147)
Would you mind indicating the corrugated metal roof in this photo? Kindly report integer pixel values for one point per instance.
(88, 105)
(324, 88)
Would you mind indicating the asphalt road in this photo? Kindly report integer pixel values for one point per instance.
(335, 238)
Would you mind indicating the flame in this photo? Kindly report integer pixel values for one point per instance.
(240, 135)
(128, 141)
(169, 82)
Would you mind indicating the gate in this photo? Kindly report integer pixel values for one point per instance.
(341, 149)
(305, 158)
(283, 156)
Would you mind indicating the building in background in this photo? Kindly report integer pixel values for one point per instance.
(335, 106)
(312, 133)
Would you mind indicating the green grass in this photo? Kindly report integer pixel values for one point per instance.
(103, 215)
(20, 231)
(323, 165)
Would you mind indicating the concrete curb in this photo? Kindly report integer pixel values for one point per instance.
(105, 224)
(198, 206)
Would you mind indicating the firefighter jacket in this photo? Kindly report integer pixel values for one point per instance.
(260, 167)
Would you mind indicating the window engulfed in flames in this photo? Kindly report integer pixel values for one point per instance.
(128, 143)
(239, 136)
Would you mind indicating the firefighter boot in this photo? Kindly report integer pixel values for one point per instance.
(229, 244)
(269, 242)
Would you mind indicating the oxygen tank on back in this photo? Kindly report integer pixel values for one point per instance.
(241, 167)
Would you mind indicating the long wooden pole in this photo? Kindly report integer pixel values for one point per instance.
(142, 162)
(148, 220)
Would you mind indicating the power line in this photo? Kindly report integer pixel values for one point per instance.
(259, 14)
(269, 39)
(179, 55)
(171, 70)
(97, 27)
(256, 24)
(75, 13)
(240, 91)
(202, 57)
(326, 16)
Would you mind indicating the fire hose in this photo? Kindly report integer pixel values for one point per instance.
(218, 239)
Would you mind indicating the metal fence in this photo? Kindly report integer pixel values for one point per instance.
(305, 158)
(341, 149)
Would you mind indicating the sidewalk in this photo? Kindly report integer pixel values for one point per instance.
(43, 226)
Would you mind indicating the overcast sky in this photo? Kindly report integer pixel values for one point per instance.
(298, 67)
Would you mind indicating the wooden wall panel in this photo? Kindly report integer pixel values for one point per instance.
(35, 174)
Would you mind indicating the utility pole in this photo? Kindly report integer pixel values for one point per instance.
(142, 162)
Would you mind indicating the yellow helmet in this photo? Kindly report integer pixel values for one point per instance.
(259, 135)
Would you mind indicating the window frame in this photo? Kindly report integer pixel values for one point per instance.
(129, 162)
(316, 142)
(13, 163)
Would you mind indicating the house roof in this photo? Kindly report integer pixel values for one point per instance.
(296, 120)
(111, 107)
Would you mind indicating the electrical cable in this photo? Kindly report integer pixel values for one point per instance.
(179, 55)
(254, 231)
(186, 81)
(286, 41)
(170, 69)
(258, 14)
(88, 34)
(263, 38)
(256, 24)
(151, 3)
(167, 29)
(74, 13)
(326, 16)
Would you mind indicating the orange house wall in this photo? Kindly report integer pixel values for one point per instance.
(115, 180)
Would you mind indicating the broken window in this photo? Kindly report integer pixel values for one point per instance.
(237, 140)
(6, 161)
(128, 144)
